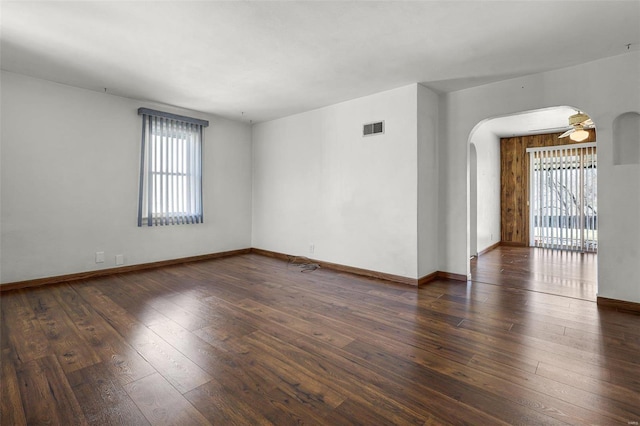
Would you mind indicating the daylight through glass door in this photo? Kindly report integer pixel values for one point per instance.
(563, 197)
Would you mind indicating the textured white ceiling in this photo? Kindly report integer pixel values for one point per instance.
(272, 59)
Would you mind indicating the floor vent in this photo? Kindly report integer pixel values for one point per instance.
(371, 129)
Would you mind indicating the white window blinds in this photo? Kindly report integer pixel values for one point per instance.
(563, 197)
(170, 169)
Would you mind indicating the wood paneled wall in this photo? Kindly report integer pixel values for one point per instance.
(514, 183)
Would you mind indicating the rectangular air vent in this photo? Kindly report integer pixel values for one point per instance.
(371, 129)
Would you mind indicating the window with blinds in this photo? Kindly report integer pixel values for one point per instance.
(563, 197)
(170, 169)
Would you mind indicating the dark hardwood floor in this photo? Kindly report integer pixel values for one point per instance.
(563, 273)
(253, 340)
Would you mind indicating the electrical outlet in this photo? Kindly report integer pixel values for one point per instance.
(312, 248)
(119, 259)
(99, 257)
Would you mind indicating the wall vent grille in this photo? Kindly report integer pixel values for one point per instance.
(371, 129)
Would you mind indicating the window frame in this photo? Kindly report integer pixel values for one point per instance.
(172, 146)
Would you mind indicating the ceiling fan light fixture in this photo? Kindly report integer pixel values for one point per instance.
(579, 135)
(579, 118)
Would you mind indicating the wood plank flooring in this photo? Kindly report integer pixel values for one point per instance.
(253, 340)
(563, 273)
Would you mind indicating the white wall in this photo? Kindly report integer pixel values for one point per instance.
(362, 202)
(472, 175)
(604, 89)
(317, 180)
(69, 182)
(427, 181)
(487, 146)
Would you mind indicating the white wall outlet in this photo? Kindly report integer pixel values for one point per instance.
(119, 259)
(99, 257)
(312, 248)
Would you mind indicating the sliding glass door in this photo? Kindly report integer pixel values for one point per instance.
(563, 197)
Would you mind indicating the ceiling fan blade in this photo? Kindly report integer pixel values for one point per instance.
(587, 123)
(567, 133)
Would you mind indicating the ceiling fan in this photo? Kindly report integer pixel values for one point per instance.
(579, 123)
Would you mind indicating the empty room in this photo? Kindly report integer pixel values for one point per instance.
(319, 212)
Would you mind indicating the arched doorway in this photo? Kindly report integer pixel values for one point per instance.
(501, 210)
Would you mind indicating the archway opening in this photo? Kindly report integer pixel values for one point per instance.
(507, 156)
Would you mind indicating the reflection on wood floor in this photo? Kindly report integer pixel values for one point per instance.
(252, 340)
(563, 273)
